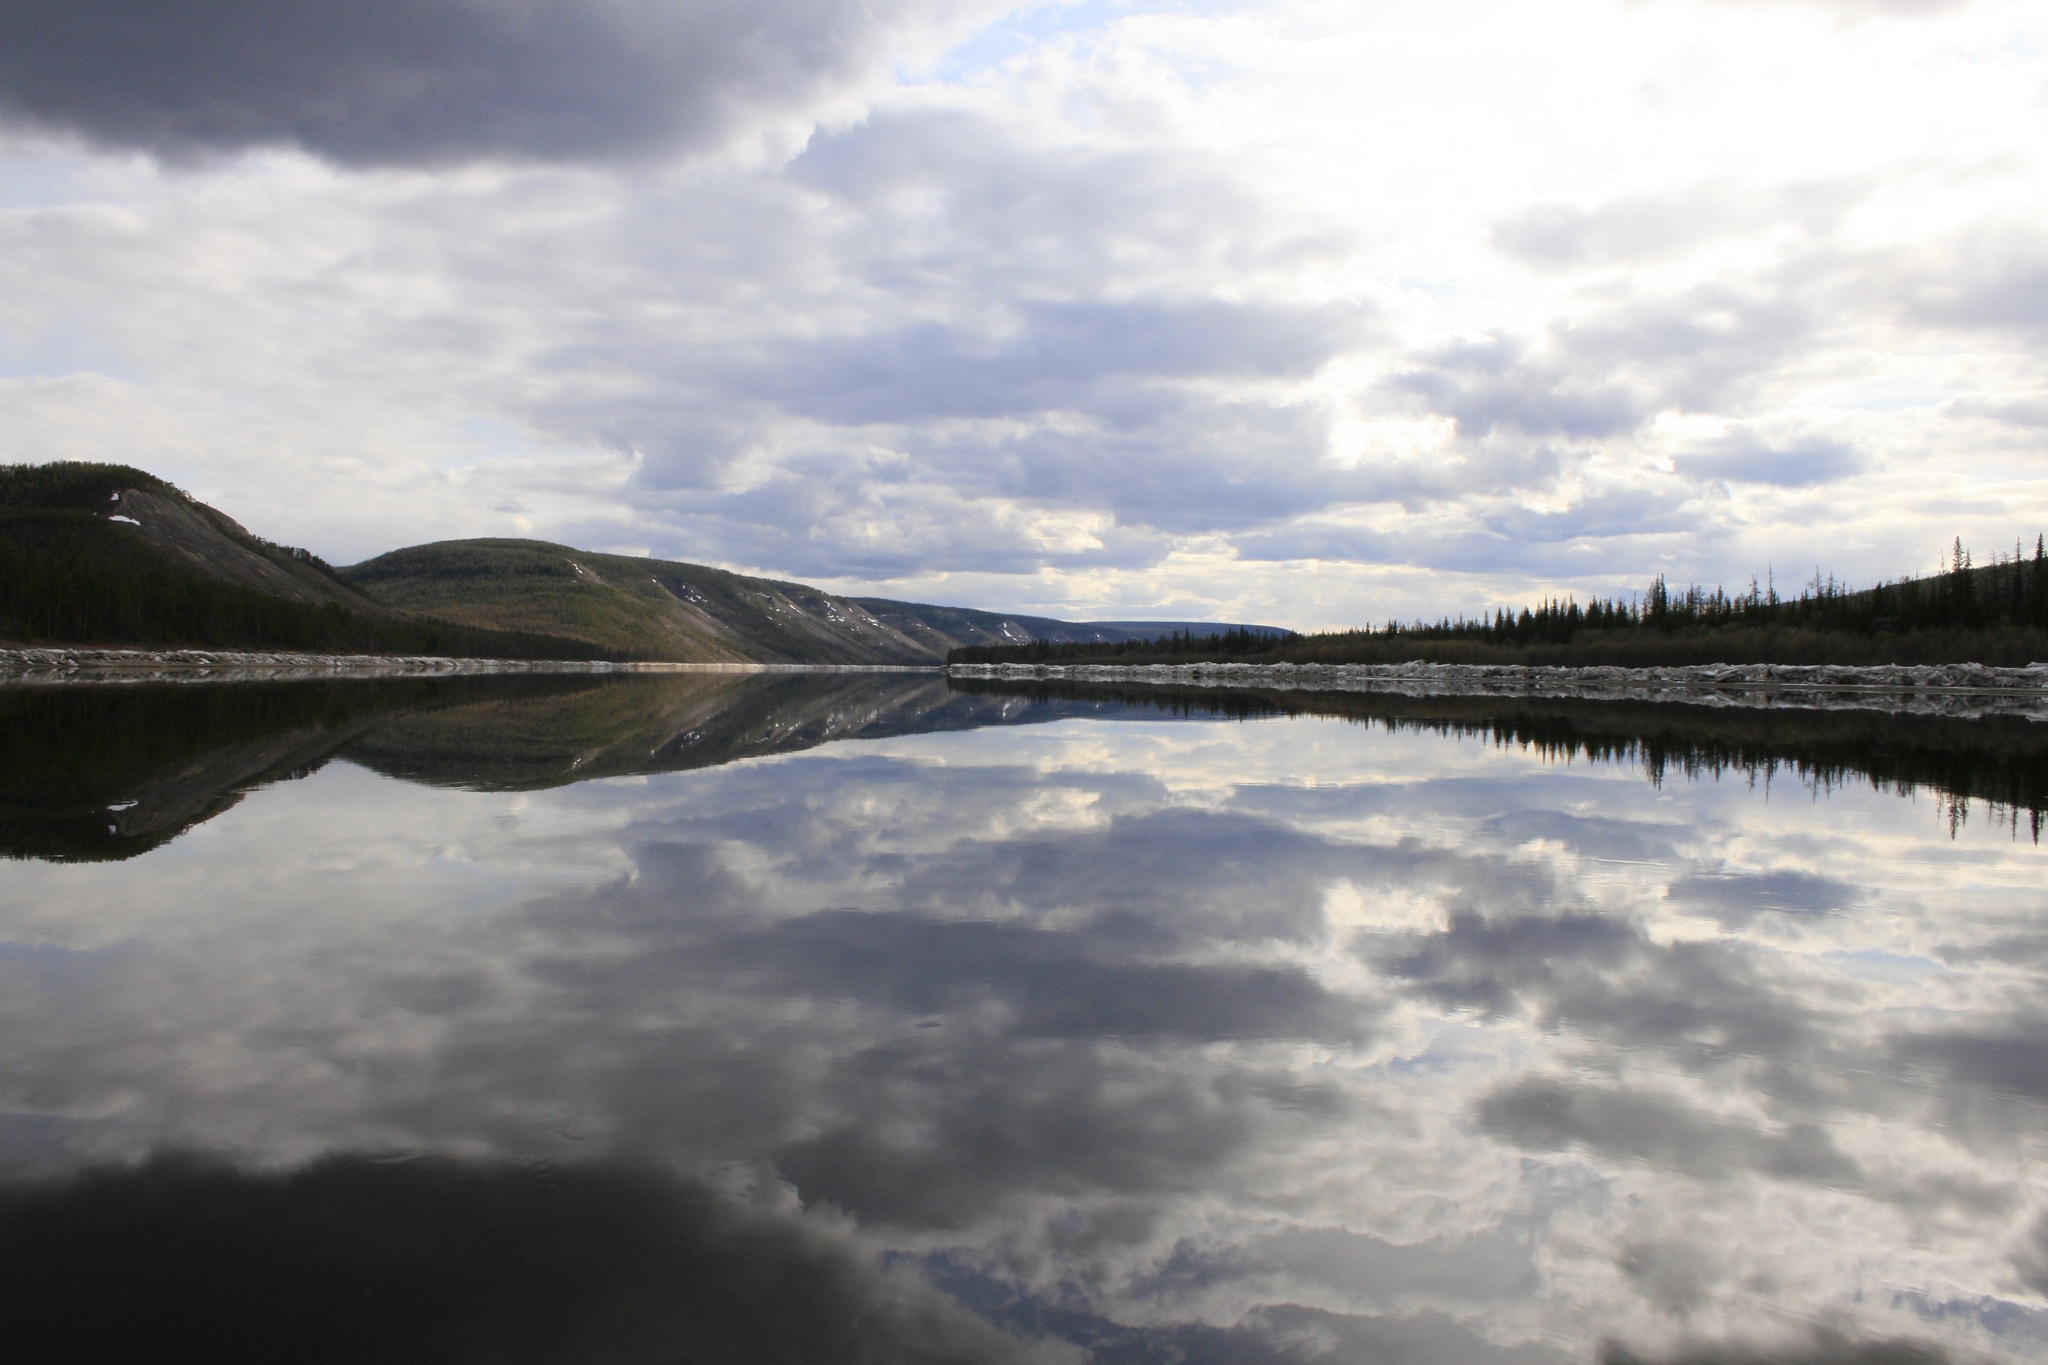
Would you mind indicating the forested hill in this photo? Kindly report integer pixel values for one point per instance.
(101, 554)
(106, 554)
(1994, 613)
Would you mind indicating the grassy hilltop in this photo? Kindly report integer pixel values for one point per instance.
(638, 608)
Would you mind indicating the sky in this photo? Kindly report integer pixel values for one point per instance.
(1311, 312)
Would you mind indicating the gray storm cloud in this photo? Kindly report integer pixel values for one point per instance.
(387, 82)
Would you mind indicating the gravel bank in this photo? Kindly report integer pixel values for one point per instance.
(220, 665)
(1940, 689)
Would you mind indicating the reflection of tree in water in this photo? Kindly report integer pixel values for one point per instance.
(2001, 761)
(97, 772)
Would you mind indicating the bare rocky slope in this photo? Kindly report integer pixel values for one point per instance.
(645, 608)
(206, 540)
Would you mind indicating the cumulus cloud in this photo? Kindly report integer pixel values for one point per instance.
(1823, 1348)
(1050, 356)
(1489, 385)
(1636, 229)
(435, 81)
(1546, 1115)
(1743, 458)
(1991, 277)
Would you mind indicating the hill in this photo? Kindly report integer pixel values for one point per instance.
(948, 628)
(116, 515)
(661, 609)
(643, 608)
(108, 554)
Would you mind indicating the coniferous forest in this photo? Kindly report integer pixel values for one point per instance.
(1994, 613)
(69, 577)
(73, 600)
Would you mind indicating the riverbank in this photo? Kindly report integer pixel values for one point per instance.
(49, 665)
(1932, 689)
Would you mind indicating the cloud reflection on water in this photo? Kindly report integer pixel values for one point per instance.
(1247, 1041)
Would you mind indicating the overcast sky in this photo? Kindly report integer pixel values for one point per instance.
(1312, 313)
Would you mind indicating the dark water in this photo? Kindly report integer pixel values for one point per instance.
(858, 1017)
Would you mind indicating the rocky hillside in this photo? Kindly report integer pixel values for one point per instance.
(660, 609)
(645, 608)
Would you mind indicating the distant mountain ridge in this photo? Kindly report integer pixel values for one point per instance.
(109, 554)
(951, 627)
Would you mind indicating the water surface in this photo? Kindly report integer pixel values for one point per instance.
(857, 1016)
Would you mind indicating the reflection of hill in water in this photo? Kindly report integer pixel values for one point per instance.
(109, 772)
(667, 723)
(90, 773)
(1999, 760)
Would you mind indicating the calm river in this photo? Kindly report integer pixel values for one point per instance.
(861, 1017)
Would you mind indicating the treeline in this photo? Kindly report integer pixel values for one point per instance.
(1178, 647)
(69, 599)
(1993, 613)
(2005, 594)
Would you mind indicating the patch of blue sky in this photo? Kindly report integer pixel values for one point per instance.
(1874, 965)
(61, 354)
(2010, 1322)
(41, 178)
(1024, 28)
(483, 439)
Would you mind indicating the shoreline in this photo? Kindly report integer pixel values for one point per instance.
(55, 665)
(1961, 690)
